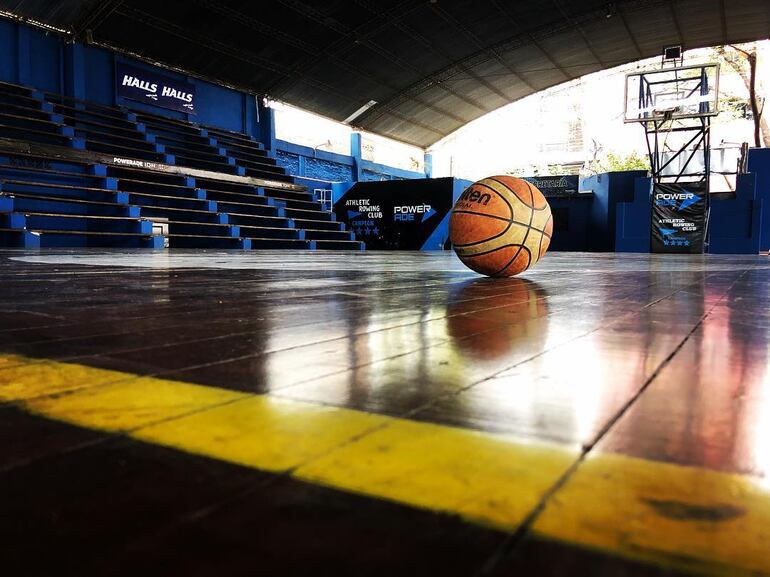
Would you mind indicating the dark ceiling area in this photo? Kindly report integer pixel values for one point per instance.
(431, 65)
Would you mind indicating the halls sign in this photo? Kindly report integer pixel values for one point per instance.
(155, 88)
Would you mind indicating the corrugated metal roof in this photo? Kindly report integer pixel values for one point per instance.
(431, 65)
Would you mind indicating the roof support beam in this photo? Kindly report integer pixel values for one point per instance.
(312, 50)
(580, 31)
(677, 24)
(92, 15)
(723, 21)
(505, 10)
(153, 21)
(362, 36)
(631, 37)
(447, 17)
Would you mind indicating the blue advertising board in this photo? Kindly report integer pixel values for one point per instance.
(562, 185)
(678, 217)
(397, 214)
(154, 88)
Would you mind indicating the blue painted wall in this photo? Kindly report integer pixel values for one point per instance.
(307, 162)
(609, 190)
(734, 225)
(571, 218)
(318, 164)
(759, 165)
(33, 57)
(633, 220)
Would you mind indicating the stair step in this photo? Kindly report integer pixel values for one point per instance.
(181, 214)
(206, 165)
(67, 238)
(299, 213)
(33, 202)
(259, 221)
(277, 243)
(339, 245)
(41, 136)
(86, 223)
(318, 224)
(203, 241)
(146, 198)
(203, 229)
(316, 234)
(303, 195)
(265, 232)
(249, 209)
(301, 204)
(31, 188)
(248, 198)
(268, 175)
(120, 150)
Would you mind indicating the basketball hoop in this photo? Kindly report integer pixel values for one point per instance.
(667, 114)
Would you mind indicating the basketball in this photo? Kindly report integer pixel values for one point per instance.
(500, 226)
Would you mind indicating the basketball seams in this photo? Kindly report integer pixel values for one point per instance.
(508, 228)
(498, 235)
(510, 221)
(490, 251)
(512, 191)
(526, 234)
(505, 200)
(529, 263)
(532, 195)
(540, 246)
(486, 215)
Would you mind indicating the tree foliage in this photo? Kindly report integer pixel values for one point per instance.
(742, 59)
(614, 162)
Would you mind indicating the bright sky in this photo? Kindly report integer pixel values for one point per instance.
(516, 137)
(302, 127)
(529, 134)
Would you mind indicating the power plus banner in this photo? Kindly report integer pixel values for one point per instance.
(396, 214)
(154, 88)
(678, 218)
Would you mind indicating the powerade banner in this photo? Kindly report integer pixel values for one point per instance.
(678, 218)
(566, 185)
(398, 214)
(154, 88)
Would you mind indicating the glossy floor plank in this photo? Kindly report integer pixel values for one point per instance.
(638, 376)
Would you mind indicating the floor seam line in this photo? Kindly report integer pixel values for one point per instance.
(516, 538)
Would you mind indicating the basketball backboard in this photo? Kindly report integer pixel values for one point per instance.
(672, 93)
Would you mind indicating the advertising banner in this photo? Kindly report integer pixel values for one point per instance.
(154, 88)
(678, 218)
(566, 185)
(398, 214)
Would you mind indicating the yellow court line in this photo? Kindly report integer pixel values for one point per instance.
(699, 520)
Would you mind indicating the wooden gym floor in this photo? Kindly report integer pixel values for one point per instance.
(224, 413)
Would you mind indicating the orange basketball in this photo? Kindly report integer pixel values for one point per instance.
(500, 226)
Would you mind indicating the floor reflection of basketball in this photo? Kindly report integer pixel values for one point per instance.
(500, 226)
(488, 319)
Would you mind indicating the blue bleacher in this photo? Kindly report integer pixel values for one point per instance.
(48, 198)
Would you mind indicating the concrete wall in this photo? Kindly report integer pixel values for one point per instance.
(307, 162)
